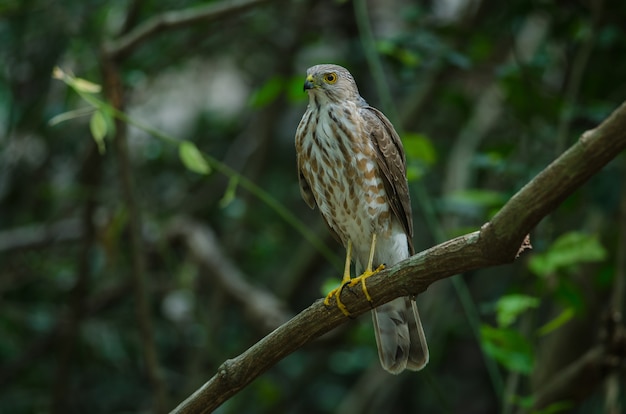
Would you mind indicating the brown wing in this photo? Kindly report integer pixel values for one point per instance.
(392, 163)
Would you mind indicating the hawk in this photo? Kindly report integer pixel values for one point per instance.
(351, 165)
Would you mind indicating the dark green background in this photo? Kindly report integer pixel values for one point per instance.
(506, 86)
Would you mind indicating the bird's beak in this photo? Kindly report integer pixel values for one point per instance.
(308, 83)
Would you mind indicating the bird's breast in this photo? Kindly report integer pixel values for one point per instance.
(338, 161)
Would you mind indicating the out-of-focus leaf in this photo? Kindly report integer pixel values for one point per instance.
(524, 402)
(480, 47)
(478, 198)
(407, 57)
(295, 91)
(329, 284)
(557, 407)
(192, 158)
(98, 127)
(420, 147)
(571, 294)
(79, 84)
(267, 92)
(66, 116)
(84, 85)
(414, 172)
(508, 347)
(568, 250)
(509, 307)
(556, 323)
(267, 392)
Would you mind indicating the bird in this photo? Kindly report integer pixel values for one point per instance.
(352, 167)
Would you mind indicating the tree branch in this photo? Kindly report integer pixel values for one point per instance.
(498, 242)
(173, 19)
(114, 92)
(580, 378)
(264, 309)
(38, 235)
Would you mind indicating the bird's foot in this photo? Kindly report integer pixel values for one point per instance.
(361, 279)
(347, 282)
(336, 292)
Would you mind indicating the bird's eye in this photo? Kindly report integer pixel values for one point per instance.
(330, 78)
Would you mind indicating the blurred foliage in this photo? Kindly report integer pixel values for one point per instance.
(508, 85)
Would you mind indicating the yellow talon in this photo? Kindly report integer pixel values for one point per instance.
(336, 292)
(361, 279)
(347, 281)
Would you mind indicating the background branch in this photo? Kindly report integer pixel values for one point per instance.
(124, 45)
(265, 311)
(579, 379)
(498, 242)
(39, 235)
(114, 92)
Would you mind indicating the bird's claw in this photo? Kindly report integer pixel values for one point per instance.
(336, 292)
(361, 279)
(351, 283)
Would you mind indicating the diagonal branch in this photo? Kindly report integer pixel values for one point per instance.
(265, 310)
(498, 242)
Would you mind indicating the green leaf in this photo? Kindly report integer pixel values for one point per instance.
(66, 116)
(193, 158)
(557, 407)
(571, 295)
(329, 284)
(419, 147)
(414, 173)
(478, 197)
(509, 307)
(556, 323)
(268, 92)
(406, 56)
(568, 250)
(294, 90)
(84, 85)
(523, 401)
(98, 127)
(78, 84)
(508, 347)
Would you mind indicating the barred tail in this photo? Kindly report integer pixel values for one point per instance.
(400, 336)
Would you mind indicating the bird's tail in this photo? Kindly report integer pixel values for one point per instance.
(400, 336)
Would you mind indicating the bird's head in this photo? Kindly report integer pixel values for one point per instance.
(330, 83)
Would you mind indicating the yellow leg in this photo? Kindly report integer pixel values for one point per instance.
(368, 271)
(345, 280)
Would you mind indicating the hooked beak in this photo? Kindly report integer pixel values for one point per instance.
(308, 83)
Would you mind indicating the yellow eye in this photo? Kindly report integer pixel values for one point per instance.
(330, 78)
